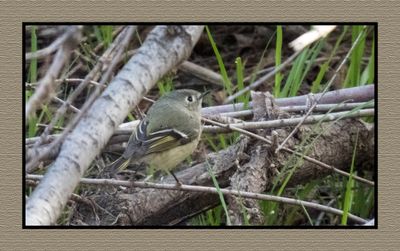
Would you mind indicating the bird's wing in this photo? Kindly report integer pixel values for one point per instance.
(142, 143)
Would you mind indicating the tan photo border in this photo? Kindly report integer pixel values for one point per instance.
(13, 13)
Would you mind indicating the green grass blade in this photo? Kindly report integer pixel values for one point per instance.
(166, 84)
(211, 143)
(239, 77)
(254, 73)
(103, 34)
(97, 33)
(32, 126)
(32, 78)
(371, 63)
(278, 59)
(354, 74)
(368, 75)
(314, 52)
(131, 117)
(107, 31)
(295, 73)
(244, 213)
(222, 141)
(363, 201)
(316, 85)
(307, 214)
(245, 98)
(349, 188)
(224, 74)
(302, 194)
(33, 63)
(221, 196)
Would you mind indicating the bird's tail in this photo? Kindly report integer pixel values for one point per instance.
(119, 165)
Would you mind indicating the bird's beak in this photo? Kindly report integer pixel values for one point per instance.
(204, 93)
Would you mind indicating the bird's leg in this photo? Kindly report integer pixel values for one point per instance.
(178, 183)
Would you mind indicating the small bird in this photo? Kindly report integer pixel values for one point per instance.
(167, 135)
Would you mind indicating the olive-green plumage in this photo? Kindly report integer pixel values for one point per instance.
(168, 134)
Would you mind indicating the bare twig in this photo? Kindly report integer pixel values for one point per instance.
(70, 32)
(268, 69)
(115, 33)
(80, 80)
(262, 79)
(280, 123)
(47, 83)
(213, 190)
(73, 108)
(329, 107)
(325, 90)
(322, 214)
(301, 108)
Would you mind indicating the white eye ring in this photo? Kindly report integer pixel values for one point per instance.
(190, 99)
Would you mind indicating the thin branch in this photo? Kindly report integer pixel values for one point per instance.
(212, 190)
(322, 214)
(71, 31)
(114, 33)
(268, 69)
(73, 108)
(280, 123)
(92, 82)
(301, 108)
(262, 79)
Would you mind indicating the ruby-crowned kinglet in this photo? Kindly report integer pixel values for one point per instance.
(167, 135)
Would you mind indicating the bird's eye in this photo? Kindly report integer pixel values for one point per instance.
(190, 98)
